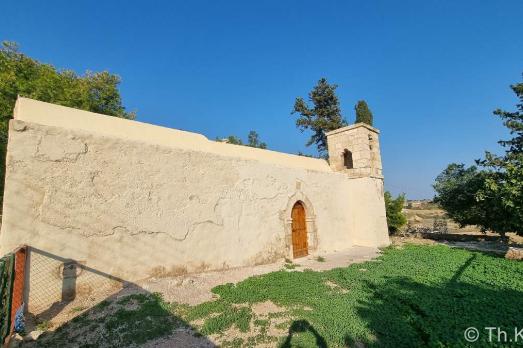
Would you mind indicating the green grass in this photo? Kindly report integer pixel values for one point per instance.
(416, 296)
(320, 259)
(118, 326)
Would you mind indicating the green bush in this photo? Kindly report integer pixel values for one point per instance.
(395, 217)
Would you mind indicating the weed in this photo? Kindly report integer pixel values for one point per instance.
(150, 319)
(44, 325)
(290, 265)
(240, 317)
(77, 309)
(261, 322)
(235, 343)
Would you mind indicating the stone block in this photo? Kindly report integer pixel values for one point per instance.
(514, 254)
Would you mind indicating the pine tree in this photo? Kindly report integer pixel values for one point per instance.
(504, 181)
(323, 116)
(363, 113)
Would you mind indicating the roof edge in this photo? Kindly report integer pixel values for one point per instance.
(353, 126)
(47, 114)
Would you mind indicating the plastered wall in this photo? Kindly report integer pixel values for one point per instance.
(133, 200)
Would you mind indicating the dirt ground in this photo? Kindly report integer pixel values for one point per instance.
(424, 215)
(196, 288)
(193, 289)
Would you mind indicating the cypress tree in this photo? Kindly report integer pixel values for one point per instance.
(363, 113)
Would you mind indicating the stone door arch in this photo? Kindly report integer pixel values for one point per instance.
(310, 223)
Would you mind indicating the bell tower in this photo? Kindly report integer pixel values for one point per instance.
(355, 150)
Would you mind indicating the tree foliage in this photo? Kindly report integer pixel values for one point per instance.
(363, 113)
(253, 140)
(492, 197)
(27, 77)
(22, 75)
(457, 188)
(231, 139)
(322, 116)
(395, 217)
(504, 184)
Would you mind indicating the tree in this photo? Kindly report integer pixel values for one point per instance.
(492, 197)
(21, 75)
(231, 139)
(457, 189)
(393, 207)
(27, 77)
(363, 113)
(253, 140)
(323, 116)
(504, 184)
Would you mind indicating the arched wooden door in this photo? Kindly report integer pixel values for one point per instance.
(299, 231)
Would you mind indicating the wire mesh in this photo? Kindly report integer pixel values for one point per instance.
(55, 282)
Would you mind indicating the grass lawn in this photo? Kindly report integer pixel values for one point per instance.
(412, 296)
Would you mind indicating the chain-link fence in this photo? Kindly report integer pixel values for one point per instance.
(56, 285)
(41, 285)
(41, 288)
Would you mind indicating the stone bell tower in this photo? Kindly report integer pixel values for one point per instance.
(355, 151)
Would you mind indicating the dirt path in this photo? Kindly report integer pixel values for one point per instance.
(193, 289)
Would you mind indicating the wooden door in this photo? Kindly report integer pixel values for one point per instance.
(299, 231)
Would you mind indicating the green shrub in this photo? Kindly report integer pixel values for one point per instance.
(395, 217)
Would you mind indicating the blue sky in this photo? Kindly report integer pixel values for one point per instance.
(431, 71)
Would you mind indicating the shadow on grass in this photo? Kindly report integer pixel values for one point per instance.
(404, 313)
(301, 326)
(68, 292)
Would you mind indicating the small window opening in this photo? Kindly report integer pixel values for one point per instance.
(347, 159)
